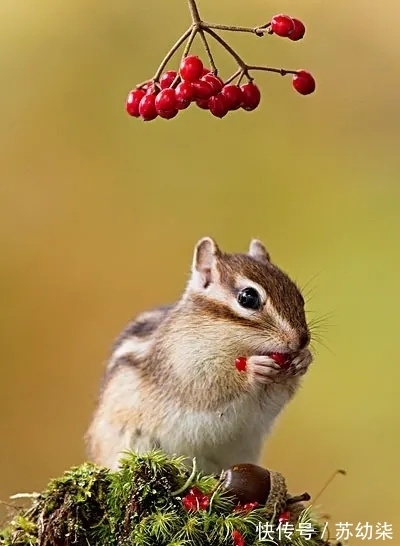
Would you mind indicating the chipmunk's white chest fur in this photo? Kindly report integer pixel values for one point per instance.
(219, 439)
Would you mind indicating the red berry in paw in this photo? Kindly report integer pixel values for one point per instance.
(182, 104)
(251, 96)
(241, 363)
(133, 101)
(191, 68)
(167, 78)
(165, 100)
(282, 25)
(184, 91)
(233, 96)
(284, 517)
(279, 358)
(168, 114)
(298, 32)
(218, 106)
(202, 90)
(216, 83)
(202, 103)
(238, 539)
(303, 82)
(147, 107)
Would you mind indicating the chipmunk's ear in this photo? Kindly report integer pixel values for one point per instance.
(258, 251)
(204, 271)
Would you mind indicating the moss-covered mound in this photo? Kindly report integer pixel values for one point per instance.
(152, 500)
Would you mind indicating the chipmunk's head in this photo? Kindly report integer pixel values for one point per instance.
(249, 294)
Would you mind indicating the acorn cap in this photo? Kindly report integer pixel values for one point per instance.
(278, 495)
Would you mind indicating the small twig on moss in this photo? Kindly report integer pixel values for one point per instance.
(188, 481)
(328, 481)
(25, 496)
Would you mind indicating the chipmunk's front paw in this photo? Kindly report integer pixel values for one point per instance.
(300, 363)
(263, 369)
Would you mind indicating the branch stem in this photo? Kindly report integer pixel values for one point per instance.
(192, 35)
(194, 12)
(227, 47)
(171, 52)
(234, 76)
(208, 51)
(281, 71)
(259, 31)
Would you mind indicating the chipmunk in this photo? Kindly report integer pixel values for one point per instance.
(171, 381)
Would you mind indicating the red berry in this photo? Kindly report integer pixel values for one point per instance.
(151, 89)
(241, 363)
(251, 96)
(191, 68)
(165, 100)
(284, 517)
(202, 103)
(167, 78)
(238, 539)
(195, 500)
(282, 25)
(202, 89)
(233, 96)
(216, 83)
(298, 32)
(218, 106)
(133, 101)
(168, 114)
(279, 358)
(205, 71)
(184, 91)
(147, 107)
(182, 104)
(303, 82)
(196, 492)
(189, 503)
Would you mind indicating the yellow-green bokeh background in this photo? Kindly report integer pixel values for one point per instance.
(99, 214)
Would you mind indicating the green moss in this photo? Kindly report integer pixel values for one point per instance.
(138, 506)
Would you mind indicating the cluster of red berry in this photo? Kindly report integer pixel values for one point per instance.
(288, 27)
(196, 500)
(194, 83)
(169, 92)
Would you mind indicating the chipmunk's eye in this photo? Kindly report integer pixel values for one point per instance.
(249, 298)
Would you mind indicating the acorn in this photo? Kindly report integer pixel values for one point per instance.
(252, 483)
(248, 483)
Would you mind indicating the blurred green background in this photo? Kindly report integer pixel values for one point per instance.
(99, 214)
